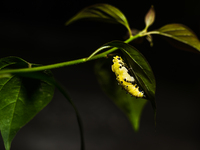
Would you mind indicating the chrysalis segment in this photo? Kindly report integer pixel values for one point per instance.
(124, 78)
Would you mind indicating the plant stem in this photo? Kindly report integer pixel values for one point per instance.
(63, 64)
(67, 63)
(63, 91)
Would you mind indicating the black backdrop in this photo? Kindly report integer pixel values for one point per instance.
(35, 31)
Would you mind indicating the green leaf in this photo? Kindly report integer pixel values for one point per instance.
(131, 106)
(102, 12)
(180, 33)
(140, 68)
(96, 51)
(144, 76)
(21, 98)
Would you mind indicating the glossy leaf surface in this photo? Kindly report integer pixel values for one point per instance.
(21, 98)
(144, 76)
(140, 68)
(130, 106)
(180, 33)
(102, 12)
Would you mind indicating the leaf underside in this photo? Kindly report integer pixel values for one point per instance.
(21, 98)
(102, 12)
(139, 67)
(129, 105)
(142, 71)
(180, 33)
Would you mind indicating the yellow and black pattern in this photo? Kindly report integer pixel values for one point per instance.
(124, 78)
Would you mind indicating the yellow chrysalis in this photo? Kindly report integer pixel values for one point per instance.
(124, 78)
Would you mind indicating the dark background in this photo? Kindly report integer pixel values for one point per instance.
(35, 31)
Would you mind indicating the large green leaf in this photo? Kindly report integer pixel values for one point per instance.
(131, 106)
(144, 76)
(21, 98)
(180, 33)
(140, 68)
(102, 12)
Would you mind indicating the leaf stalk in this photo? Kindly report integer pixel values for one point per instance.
(93, 56)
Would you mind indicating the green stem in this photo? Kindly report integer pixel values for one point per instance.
(68, 63)
(63, 64)
(63, 91)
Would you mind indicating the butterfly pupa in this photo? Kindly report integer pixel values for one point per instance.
(124, 78)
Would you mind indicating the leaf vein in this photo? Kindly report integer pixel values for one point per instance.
(6, 83)
(6, 105)
(14, 107)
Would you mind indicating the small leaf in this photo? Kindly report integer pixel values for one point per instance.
(180, 33)
(150, 39)
(131, 106)
(21, 98)
(150, 17)
(102, 12)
